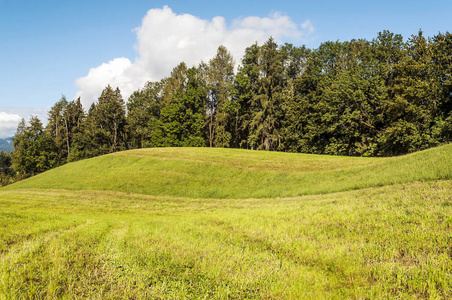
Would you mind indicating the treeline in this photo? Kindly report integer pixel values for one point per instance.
(359, 98)
(7, 173)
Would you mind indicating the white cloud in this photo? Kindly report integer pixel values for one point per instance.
(165, 39)
(10, 117)
(8, 124)
(113, 73)
(307, 27)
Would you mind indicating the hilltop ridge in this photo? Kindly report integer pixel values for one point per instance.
(234, 173)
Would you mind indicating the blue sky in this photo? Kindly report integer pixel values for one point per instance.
(45, 46)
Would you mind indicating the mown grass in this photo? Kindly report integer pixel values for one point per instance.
(387, 242)
(230, 173)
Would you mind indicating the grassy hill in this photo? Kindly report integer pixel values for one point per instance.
(199, 223)
(231, 173)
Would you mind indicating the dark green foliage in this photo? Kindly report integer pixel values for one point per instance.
(6, 164)
(7, 173)
(182, 120)
(245, 87)
(384, 97)
(110, 120)
(143, 113)
(73, 121)
(441, 52)
(344, 104)
(103, 130)
(219, 108)
(56, 128)
(266, 103)
(35, 151)
(64, 123)
(86, 143)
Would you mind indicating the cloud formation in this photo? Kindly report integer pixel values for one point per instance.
(10, 117)
(165, 39)
(8, 124)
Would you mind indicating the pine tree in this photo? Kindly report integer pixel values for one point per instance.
(110, 118)
(266, 110)
(34, 150)
(73, 119)
(220, 76)
(295, 116)
(441, 50)
(244, 89)
(57, 130)
(6, 164)
(6, 170)
(87, 140)
(143, 110)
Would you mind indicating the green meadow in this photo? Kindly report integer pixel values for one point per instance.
(200, 223)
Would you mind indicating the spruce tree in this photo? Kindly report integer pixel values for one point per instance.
(143, 112)
(244, 89)
(220, 76)
(34, 150)
(266, 109)
(110, 118)
(57, 130)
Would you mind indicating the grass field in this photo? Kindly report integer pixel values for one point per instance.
(231, 224)
(238, 174)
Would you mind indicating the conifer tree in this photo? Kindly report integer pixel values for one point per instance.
(220, 76)
(244, 89)
(295, 116)
(57, 130)
(110, 118)
(34, 150)
(6, 164)
(266, 110)
(441, 50)
(143, 114)
(87, 141)
(73, 118)
(6, 170)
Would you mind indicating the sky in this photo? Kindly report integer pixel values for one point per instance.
(76, 48)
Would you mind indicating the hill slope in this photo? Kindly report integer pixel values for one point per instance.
(86, 230)
(232, 173)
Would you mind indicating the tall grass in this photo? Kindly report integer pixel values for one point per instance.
(387, 242)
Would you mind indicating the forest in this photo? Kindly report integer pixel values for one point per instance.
(384, 97)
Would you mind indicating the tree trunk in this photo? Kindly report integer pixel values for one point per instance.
(211, 131)
(67, 138)
(115, 138)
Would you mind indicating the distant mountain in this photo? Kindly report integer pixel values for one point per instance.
(6, 145)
